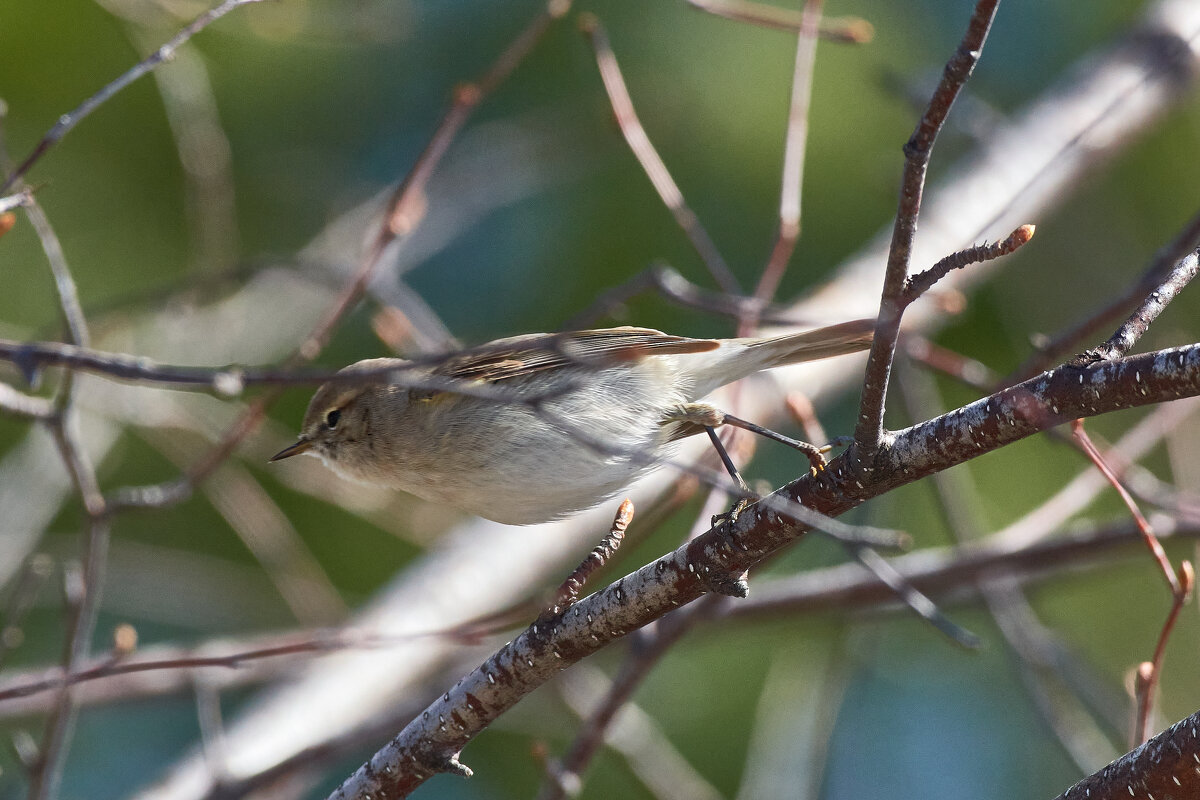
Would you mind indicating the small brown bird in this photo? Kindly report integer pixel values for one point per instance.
(591, 411)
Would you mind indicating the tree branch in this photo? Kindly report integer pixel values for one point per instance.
(432, 742)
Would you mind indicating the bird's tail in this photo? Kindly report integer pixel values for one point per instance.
(737, 358)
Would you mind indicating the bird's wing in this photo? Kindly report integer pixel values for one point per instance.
(523, 355)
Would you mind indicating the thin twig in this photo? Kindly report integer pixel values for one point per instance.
(639, 142)
(1180, 584)
(847, 30)
(955, 571)
(274, 647)
(795, 142)
(1152, 543)
(922, 282)
(1187, 582)
(231, 381)
(914, 598)
(82, 615)
(1140, 320)
(869, 431)
(568, 592)
(83, 610)
(1165, 262)
(67, 122)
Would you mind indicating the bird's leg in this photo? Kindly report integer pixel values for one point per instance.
(708, 417)
(732, 514)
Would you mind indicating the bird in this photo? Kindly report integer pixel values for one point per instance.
(532, 428)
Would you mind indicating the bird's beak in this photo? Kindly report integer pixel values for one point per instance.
(294, 450)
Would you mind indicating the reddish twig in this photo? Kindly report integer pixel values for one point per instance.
(795, 141)
(1180, 584)
(1155, 547)
(1042, 658)
(966, 370)
(107, 667)
(568, 592)
(648, 157)
(847, 30)
(802, 410)
(1145, 700)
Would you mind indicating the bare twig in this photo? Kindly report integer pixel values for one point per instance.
(922, 282)
(84, 608)
(1152, 543)
(1186, 580)
(943, 572)
(1137, 324)
(67, 122)
(848, 30)
(82, 618)
(274, 646)
(1167, 262)
(568, 593)
(869, 432)
(912, 597)
(647, 156)
(232, 380)
(795, 142)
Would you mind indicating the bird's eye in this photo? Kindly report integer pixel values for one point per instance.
(331, 419)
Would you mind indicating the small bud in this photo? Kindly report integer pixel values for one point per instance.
(125, 639)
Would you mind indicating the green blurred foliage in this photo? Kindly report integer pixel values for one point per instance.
(325, 103)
